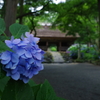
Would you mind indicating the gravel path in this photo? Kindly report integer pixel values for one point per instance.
(72, 81)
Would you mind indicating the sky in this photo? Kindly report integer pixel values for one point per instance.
(58, 1)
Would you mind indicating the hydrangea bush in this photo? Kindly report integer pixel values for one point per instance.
(87, 53)
(24, 61)
(21, 59)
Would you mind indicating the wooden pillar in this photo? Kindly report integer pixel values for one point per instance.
(59, 48)
(46, 45)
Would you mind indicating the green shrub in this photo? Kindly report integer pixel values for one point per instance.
(48, 57)
(65, 56)
(53, 48)
(87, 53)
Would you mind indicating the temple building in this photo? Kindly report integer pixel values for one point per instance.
(49, 37)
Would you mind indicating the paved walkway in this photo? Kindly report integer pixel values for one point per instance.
(72, 81)
(57, 57)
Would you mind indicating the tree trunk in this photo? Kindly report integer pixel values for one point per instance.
(10, 16)
(79, 51)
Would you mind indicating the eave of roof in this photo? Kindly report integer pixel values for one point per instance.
(47, 32)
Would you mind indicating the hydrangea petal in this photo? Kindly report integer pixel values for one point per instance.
(23, 56)
(39, 50)
(13, 71)
(31, 74)
(41, 67)
(22, 62)
(33, 51)
(25, 79)
(12, 38)
(27, 34)
(14, 66)
(24, 42)
(28, 54)
(15, 76)
(9, 65)
(8, 73)
(30, 60)
(21, 69)
(28, 66)
(5, 61)
(35, 72)
(38, 56)
(36, 40)
(20, 51)
(38, 63)
(9, 43)
(16, 41)
(27, 73)
(15, 58)
(6, 55)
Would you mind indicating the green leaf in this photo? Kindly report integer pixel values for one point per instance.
(2, 26)
(3, 47)
(36, 88)
(3, 82)
(31, 83)
(17, 90)
(46, 92)
(3, 38)
(17, 30)
(2, 72)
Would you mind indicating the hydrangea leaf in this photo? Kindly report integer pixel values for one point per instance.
(3, 47)
(2, 26)
(31, 83)
(2, 72)
(36, 88)
(46, 92)
(17, 29)
(3, 82)
(3, 38)
(17, 90)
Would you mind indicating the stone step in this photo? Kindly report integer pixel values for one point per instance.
(57, 57)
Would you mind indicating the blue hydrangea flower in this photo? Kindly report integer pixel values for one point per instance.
(25, 60)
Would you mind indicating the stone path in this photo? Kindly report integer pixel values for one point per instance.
(57, 57)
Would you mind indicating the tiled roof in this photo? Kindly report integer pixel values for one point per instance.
(47, 32)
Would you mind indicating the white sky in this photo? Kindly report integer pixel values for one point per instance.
(58, 1)
(1, 1)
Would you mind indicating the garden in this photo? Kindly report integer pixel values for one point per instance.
(20, 55)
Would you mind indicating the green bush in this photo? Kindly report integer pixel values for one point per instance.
(53, 48)
(65, 56)
(87, 53)
(48, 57)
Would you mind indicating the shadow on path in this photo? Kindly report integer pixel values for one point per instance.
(72, 81)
